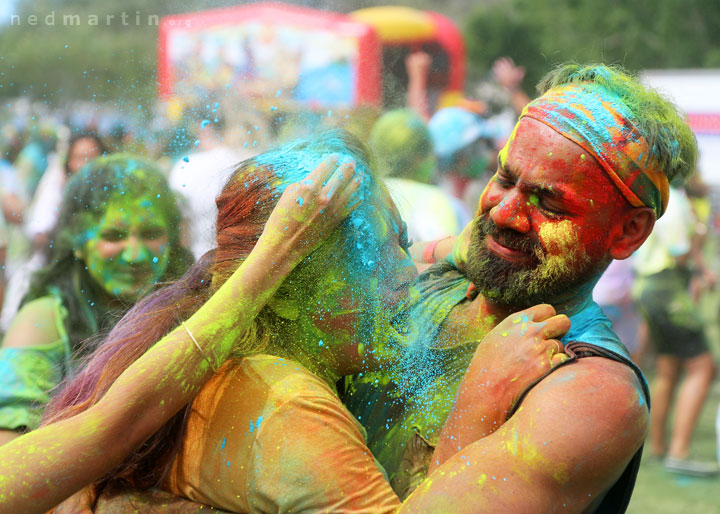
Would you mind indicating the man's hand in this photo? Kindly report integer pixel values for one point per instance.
(418, 66)
(701, 283)
(510, 77)
(453, 249)
(458, 254)
(517, 352)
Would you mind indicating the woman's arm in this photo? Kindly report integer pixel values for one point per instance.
(42, 468)
(453, 249)
(31, 354)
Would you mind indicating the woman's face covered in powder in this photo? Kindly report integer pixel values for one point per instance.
(362, 283)
(128, 249)
(545, 219)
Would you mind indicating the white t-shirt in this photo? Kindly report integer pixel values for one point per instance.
(427, 210)
(670, 237)
(197, 182)
(45, 207)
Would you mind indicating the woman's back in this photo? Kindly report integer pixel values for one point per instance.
(260, 436)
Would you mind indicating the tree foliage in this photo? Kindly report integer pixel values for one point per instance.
(107, 62)
(636, 34)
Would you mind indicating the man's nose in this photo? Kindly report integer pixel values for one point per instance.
(511, 213)
(135, 250)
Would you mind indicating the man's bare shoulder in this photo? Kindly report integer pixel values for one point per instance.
(596, 408)
(596, 377)
(568, 443)
(595, 388)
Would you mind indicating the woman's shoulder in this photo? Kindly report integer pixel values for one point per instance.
(263, 387)
(37, 323)
(280, 379)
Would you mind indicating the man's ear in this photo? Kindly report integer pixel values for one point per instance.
(633, 229)
(284, 306)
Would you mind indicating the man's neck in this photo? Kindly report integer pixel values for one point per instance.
(576, 300)
(573, 305)
(473, 319)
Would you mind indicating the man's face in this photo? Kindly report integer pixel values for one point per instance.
(543, 228)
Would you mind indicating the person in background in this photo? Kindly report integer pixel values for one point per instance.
(33, 159)
(613, 293)
(19, 185)
(510, 77)
(82, 148)
(463, 143)
(117, 235)
(664, 266)
(198, 177)
(42, 214)
(417, 65)
(403, 148)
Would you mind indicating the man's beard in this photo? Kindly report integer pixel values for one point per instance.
(547, 279)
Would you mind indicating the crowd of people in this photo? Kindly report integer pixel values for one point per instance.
(401, 311)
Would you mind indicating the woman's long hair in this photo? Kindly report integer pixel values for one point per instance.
(244, 206)
(84, 203)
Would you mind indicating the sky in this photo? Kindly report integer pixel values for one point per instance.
(7, 7)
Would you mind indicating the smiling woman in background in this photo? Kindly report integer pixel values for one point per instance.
(117, 234)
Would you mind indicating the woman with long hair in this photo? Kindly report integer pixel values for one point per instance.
(41, 468)
(117, 234)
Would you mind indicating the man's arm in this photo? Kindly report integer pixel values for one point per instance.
(568, 443)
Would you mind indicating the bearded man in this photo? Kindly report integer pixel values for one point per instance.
(580, 182)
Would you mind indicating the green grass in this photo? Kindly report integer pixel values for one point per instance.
(660, 492)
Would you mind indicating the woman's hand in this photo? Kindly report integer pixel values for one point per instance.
(453, 249)
(308, 211)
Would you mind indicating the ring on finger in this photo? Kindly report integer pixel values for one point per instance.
(559, 348)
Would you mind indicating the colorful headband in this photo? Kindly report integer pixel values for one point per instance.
(590, 116)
